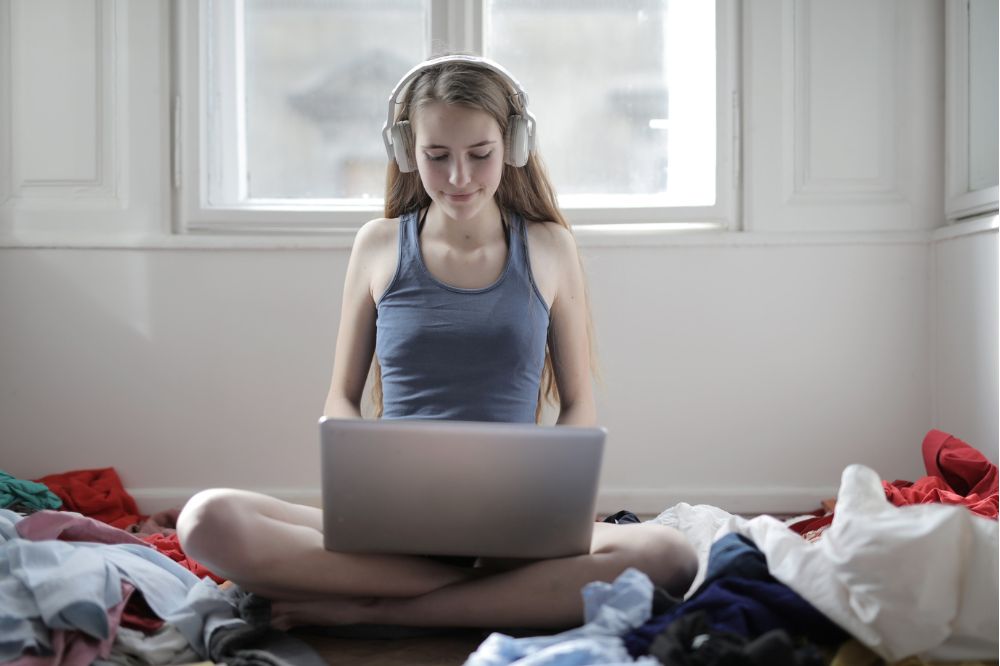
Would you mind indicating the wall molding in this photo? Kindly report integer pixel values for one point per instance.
(99, 183)
(804, 186)
(84, 105)
(842, 115)
(961, 197)
(6, 102)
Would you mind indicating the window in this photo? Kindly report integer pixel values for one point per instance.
(613, 135)
(281, 104)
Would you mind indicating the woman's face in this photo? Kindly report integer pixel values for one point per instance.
(459, 155)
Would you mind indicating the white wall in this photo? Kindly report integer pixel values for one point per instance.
(744, 369)
(964, 336)
(737, 373)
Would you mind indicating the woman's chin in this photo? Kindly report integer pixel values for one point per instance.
(462, 209)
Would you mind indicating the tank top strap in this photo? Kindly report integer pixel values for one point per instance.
(520, 259)
(409, 240)
(518, 243)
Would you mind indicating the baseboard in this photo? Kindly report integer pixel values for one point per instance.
(645, 501)
(741, 500)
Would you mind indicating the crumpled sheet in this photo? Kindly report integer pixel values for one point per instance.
(914, 580)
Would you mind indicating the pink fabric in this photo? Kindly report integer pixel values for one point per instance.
(71, 526)
(74, 648)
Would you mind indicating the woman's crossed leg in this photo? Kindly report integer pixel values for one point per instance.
(275, 548)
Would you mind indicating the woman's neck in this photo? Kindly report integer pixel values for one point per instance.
(483, 229)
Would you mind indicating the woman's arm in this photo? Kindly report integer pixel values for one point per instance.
(569, 320)
(356, 334)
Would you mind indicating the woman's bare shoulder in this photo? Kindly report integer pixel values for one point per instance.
(552, 238)
(374, 254)
(376, 235)
(552, 256)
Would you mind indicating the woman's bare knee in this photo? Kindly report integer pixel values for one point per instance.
(209, 527)
(660, 552)
(669, 559)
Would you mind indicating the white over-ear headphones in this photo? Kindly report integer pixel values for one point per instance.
(519, 141)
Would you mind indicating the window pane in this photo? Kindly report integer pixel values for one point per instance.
(624, 93)
(318, 74)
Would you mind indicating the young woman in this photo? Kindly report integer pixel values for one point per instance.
(470, 296)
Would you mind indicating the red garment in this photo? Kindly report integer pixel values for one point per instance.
(97, 493)
(139, 616)
(957, 474)
(171, 547)
(811, 529)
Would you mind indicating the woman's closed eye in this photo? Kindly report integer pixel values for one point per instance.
(444, 156)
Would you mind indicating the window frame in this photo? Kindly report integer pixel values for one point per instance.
(461, 26)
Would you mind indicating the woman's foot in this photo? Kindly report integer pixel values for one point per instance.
(328, 612)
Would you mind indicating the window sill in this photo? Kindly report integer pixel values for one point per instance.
(588, 236)
(989, 222)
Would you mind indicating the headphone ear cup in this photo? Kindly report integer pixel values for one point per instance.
(402, 146)
(516, 142)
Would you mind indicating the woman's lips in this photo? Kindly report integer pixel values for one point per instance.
(460, 197)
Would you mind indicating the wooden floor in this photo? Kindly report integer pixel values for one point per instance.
(446, 650)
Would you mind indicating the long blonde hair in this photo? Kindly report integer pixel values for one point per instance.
(526, 189)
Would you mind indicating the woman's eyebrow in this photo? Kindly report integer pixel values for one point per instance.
(475, 145)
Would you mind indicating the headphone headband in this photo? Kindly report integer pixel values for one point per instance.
(471, 60)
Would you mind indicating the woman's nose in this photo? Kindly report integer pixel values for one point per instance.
(459, 173)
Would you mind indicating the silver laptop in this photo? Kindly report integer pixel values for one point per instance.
(459, 488)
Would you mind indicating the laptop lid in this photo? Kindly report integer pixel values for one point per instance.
(459, 488)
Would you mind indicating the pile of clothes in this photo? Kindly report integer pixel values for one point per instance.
(99, 494)
(114, 586)
(895, 572)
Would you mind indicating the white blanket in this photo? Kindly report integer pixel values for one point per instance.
(913, 580)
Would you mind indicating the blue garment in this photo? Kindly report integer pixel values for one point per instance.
(734, 555)
(610, 610)
(51, 584)
(740, 596)
(461, 354)
(748, 608)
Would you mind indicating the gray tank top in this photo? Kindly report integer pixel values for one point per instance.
(461, 354)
